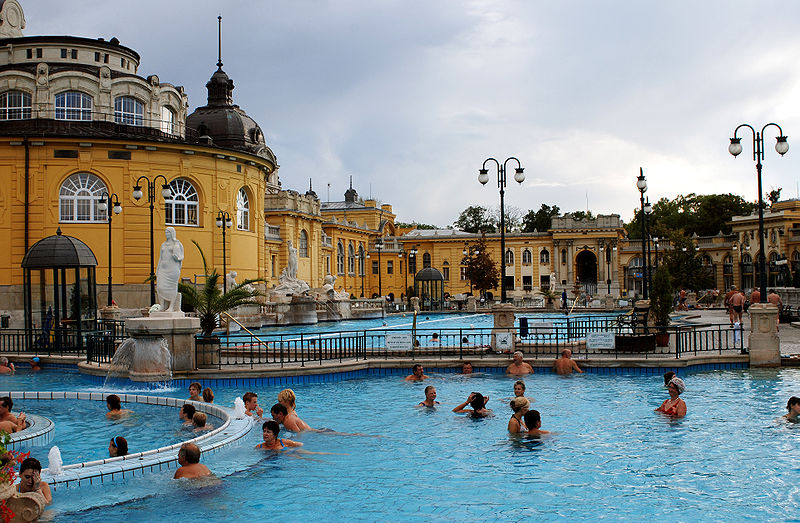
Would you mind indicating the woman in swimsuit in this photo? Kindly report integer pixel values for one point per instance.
(30, 479)
(478, 403)
(793, 406)
(271, 439)
(430, 397)
(674, 406)
(520, 407)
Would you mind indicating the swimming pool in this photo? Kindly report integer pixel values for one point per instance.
(611, 455)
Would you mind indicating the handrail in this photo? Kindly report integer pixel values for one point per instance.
(262, 342)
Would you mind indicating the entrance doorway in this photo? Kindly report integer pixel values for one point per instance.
(586, 271)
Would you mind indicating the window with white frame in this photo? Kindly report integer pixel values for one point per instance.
(463, 275)
(302, 249)
(242, 210)
(526, 257)
(79, 197)
(73, 105)
(446, 270)
(128, 111)
(351, 259)
(182, 206)
(339, 258)
(544, 257)
(509, 257)
(15, 105)
(168, 120)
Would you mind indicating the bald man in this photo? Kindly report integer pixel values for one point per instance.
(565, 364)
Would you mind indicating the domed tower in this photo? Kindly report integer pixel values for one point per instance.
(225, 124)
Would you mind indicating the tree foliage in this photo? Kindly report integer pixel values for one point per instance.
(476, 218)
(661, 298)
(540, 220)
(685, 265)
(415, 225)
(209, 301)
(582, 215)
(704, 215)
(481, 270)
(774, 195)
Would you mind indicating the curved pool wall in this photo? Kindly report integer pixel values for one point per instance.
(230, 431)
(38, 432)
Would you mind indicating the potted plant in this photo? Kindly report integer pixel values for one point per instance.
(210, 302)
(661, 304)
(549, 296)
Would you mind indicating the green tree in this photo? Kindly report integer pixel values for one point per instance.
(475, 219)
(540, 220)
(582, 215)
(704, 215)
(685, 265)
(662, 296)
(209, 301)
(774, 195)
(481, 269)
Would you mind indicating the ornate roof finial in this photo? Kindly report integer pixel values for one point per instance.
(351, 181)
(219, 42)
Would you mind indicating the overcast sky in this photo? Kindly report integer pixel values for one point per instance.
(410, 97)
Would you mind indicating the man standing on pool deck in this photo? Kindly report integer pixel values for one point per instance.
(417, 373)
(737, 305)
(728, 297)
(518, 366)
(189, 460)
(565, 364)
(251, 404)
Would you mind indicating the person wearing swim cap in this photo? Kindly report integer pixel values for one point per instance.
(674, 406)
(35, 364)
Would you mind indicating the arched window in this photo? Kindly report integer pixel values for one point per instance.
(563, 256)
(242, 211)
(746, 258)
(302, 249)
(509, 257)
(73, 105)
(706, 259)
(795, 256)
(168, 120)
(426, 260)
(728, 260)
(79, 197)
(340, 258)
(15, 105)
(544, 256)
(446, 270)
(351, 259)
(182, 206)
(128, 111)
(526, 257)
(361, 259)
(636, 262)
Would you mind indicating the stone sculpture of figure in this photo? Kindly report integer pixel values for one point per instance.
(168, 272)
(230, 279)
(291, 269)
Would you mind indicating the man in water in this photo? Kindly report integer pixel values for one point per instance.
(281, 414)
(6, 404)
(466, 368)
(565, 364)
(189, 460)
(518, 366)
(6, 367)
(251, 404)
(417, 373)
(186, 415)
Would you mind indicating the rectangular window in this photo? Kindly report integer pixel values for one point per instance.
(39, 53)
(63, 53)
(389, 267)
(66, 210)
(238, 168)
(65, 153)
(375, 268)
(74, 54)
(327, 265)
(122, 62)
(527, 283)
(105, 58)
(97, 57)
(463, 273)
(119, 155)
(509, 283)
(30, 53)
(273, 266)
(446, 273)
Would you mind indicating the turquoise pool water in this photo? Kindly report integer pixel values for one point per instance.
(610, 456)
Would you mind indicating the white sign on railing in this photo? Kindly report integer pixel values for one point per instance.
(398, 341)
(600, 340)
(503, 341)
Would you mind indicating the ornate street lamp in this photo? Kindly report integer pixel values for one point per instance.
(108, 201)
(379, 247)
(151, 198)
(641, 184)
(648, 210)
(781, 147)
(519, 177)
(224, 222)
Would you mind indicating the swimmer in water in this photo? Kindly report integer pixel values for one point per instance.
(270, 430)
(117, 447)
(478, 403)
(194, 391)
(674, 406)
(533, 420)
(251, 407)
(30, 479)
(793, 406)
(189, 461)
(115, 410)
(430, 398)
(516, 424)
(287, 398)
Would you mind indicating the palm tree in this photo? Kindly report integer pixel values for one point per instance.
(209, 301)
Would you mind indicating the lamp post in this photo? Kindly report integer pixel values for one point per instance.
(608, 250)
(224, 222)
(363, 268)
(108, 201)
(781, 147)
(655, 246)
(151, 198)
(648, 209)
(641, 184)
(412, 253)
(379, 247)
(519, 177)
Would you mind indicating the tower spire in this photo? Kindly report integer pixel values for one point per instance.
(219, 42)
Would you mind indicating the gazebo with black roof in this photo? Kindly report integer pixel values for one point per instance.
(59, 283)
(429, 286)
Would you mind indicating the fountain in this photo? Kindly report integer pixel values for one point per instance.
(54, 464)
(141, 359)
(239, 411)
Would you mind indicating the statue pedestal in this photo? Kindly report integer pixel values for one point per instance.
(503, 332)
(415, 303)
(177, 329)
(764, 344)
(109, 313)
(300, 310)
(472, 304)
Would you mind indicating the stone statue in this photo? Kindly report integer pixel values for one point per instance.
(291, 269)
(168, 272)
(230, 279)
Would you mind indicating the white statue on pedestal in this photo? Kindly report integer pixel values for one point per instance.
(168, 272)
(288, 282)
